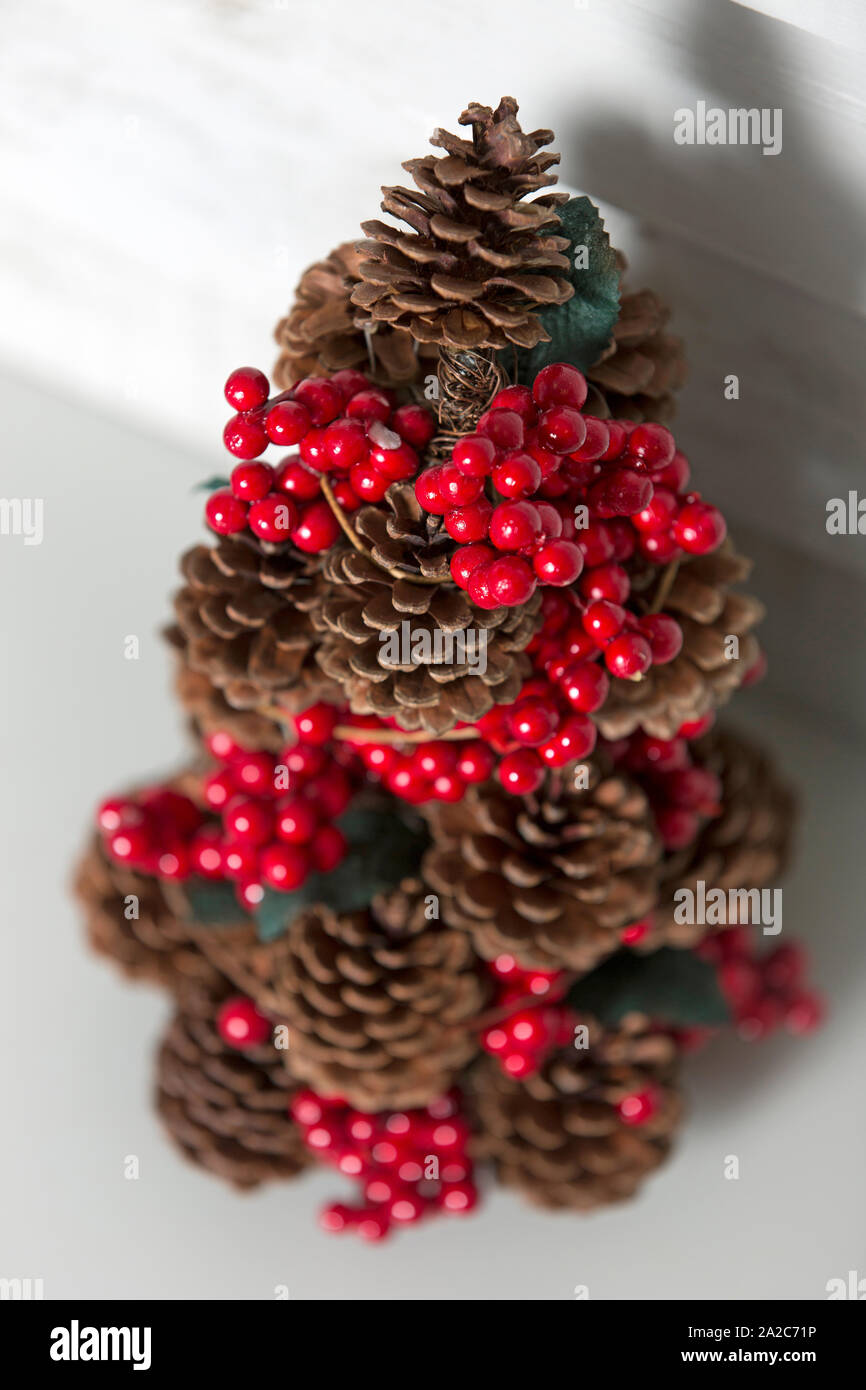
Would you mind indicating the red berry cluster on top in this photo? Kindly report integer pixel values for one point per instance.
(766, 991)
(509, 494)
(682, 793)
(408, 1164)
(154, 832)
(340, 425)
(522, 1039)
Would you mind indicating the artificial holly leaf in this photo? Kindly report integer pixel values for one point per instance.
(211, 484)
(580, 329)
(671, 986)
(212, 902)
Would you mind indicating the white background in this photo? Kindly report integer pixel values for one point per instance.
(168, 170)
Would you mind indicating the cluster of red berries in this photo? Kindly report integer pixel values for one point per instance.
(510, 494)
(154, 832)
(341, 425)
(276, 812)
(766, 991)
(409, 1163)
(434, 770)
(681, 792)
(522, 1039)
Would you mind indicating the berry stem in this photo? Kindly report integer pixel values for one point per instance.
(666, 583)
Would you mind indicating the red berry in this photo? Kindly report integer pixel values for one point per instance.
(117, 812)
(345, 495)
(240, 1023)
(206, 853)
(131, 844)
(396, 461)
(219, 789)
(427, 492)
(312, 450)
(274, 518)
(518, 399)
(561, 429)
(284, 866)
(468, 524)
(637, 1108)
(804, 1014)
(478, 586)
(246, 389)
(575, 739)
(474, 455)
(349, 382)
(533, 721)
(511, 581)
(618, 436)
(551, 521)
(596, 542)
(297, 481)
(250, 482)
(368, 482)
(699, 528)
(652, 445)
(559, 384)
(345, 444)
(620, 492)
(658, 514)
(603, 621)
(467, 559)
(521, 773)
(287, 422)
(605, 581)
(323, 400)
(369, 405)
(475, 762)
(456, 488)
(503, 427)
(664, 635)
(297, 821)
(659, 547)
(245, 437)
(240, 862)
(517, 475)
(596, 443)
(329, 848)
(677, 828)
(514, 525)
(224, 513)
(695, 728)
(254, 773)
(414, 424)
(249, 821)
(674, 475)
(558, 563)
(316, 724)
(585, 685)
(317, 529)
(628, 656)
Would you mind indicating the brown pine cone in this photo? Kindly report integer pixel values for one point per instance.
(558, 1137)
(379, 1003)
(319, 336)
(226, 1110)
(746, 846)
(156, 944)
(701, 678)
(244, 613)
(477, 259)
(637, 375)
(209, 710)
(548, 881)
(365, 605)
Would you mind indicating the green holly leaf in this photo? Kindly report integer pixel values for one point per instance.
(580, 329)
(212, 902)
(211, 484)
(675, 987)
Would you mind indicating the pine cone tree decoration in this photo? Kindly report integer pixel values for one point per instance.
(319, 336)
(559, 1137)
(244, 614)
(446, 678)
(227, 1110)
(746, 846)
(478, 258)
(549, 880)
(638, 374)
(379, 1003)
(702, 677)
(129, 919)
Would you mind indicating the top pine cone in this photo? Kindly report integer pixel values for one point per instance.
(477, 258)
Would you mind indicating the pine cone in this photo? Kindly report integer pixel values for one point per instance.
(701, 678)
(637, 375)
(226, 1110)
(379, 1003)
(558, 1137)
(478, 259)
(319, 335)
(365, 606)
(210, 711)
(244, 615)
(746, 846)
(548, 881)
(156, 944)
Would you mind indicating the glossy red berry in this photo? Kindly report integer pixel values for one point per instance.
(521, 773)
(312, 450)
(620, 492)
(596, 542)
(561, 429)
(699, 528)
(596, 442)
(368, 482)
(605, 581)
(504, 428)
(316, 724)
(274, 518)
(456, 488)
(638, 1108)
(284, 866)
(475, 762)
(427, 492)
(297, 481)
(533, 721)
(297, 821)
(329, 848)
(349, 382)
(603, 621)
(628, 656)
(674, 475)
(205, 852)
(558, 563)
(514, 525)
(652, 445)
(585, 685)
(287, 422)
(517, 398)
(394, 461)
(469, 524)
(369, 405)
(345, 444)
(467, 559)
(246, 389)
(250, 482)
(511, 581)
(248, 821)
(517, 475)
(224, 513)
(414, 424)
(240, 862)
(658, 514)
(659, 547)
(317, 529)
(254, 773)
(323, 400)
(245, 437)
(664, 635)
(559, 384)
(474, 455)
(575, 738)
(130, 844)
(240, 1023)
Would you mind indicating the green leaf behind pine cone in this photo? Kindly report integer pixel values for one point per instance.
(671, 986)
